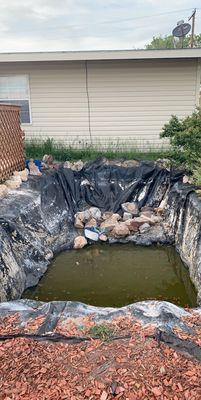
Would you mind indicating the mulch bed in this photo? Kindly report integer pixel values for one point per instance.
(127, 369)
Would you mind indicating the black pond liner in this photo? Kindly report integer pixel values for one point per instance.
(25, 223)
(107, 186)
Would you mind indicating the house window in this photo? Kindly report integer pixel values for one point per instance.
(15, 90)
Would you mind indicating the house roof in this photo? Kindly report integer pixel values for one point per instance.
(100, 55)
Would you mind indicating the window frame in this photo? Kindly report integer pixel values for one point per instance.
(28, 97)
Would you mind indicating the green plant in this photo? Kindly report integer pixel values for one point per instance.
(102, 331)
(168, 42)
(185, 139)
(197, 175)
(61, 152)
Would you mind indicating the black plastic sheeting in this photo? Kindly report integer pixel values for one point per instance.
(108, 186)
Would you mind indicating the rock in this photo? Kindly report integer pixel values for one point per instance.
(163, 203)
(120, 230)
(91, 222)
(77, 166)
(164, 162)
(131, 208)
(154, 219)
(3, 190)
(33, 169)
(127, 216)
(80, 242)
(147, 214)
(67, 164)
(132, 225)
(95, 213)
(144, 228)
(146, 208)
(78, 223)
(130, 163)
(186, 179)
(160, 210)
(84, 216)
(48, 159)
(103, 237)
(49, 255)
(22, 174)
(13, 183)
(110, 223)
(138, 221)
(107, 215)
(91, 233)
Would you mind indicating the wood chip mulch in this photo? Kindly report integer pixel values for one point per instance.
(128, 369)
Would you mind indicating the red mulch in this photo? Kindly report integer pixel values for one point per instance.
(126, 369)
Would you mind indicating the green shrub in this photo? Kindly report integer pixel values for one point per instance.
(197, 175)
(185, 139)
(102, 331)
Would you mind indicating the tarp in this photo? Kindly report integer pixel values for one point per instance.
(108, 186)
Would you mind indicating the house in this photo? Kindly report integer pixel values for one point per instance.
(120, 97)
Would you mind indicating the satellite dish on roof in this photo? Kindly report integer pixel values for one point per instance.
(182, 29)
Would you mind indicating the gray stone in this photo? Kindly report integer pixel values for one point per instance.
(144, 228)
(131, 208)
(77, 166)
(95, 213)
(127, 216)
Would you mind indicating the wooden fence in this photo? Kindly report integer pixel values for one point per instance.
(12, 156)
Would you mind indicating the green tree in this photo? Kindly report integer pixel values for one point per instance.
(168, 42)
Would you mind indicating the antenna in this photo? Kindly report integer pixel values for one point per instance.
(181, 30)
(193, 26)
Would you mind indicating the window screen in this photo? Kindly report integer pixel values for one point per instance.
(15, 90)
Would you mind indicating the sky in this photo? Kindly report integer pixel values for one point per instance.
(52, 25)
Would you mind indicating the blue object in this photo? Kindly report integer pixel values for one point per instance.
(38, 163)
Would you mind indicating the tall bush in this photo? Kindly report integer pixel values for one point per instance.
(185, 138)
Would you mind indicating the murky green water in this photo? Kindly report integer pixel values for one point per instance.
(116, 275)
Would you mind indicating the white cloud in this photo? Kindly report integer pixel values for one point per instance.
(28, 25)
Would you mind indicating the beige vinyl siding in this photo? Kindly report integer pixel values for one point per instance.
(131, 101)
(127, 102)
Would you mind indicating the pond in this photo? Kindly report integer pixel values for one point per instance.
(116, 275)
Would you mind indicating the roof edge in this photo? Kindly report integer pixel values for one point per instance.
(100, 55)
